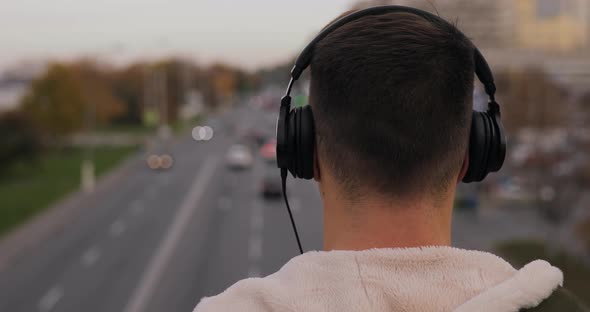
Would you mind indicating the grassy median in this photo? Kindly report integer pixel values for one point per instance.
(28, 188)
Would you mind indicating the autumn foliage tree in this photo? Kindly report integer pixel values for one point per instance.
(128, 86)
(222, 84)
(55, 102)
(97, 93)
(73, 97)
(69, 98)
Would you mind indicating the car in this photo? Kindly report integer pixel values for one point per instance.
(467, 198)
(271, 186)
(239, 157)
(256, 136)
(268, 151)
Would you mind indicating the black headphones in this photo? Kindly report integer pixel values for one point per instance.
(296, 130)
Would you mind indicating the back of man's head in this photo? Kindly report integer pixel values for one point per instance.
(391, 97)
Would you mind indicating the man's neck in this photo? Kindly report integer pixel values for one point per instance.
(385, 223)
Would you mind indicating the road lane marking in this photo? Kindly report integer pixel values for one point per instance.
(255, 248)
(255, 241)
(224, 204)
(117, 228)
(254, 271)
(256, 219)
(165, 250)
(50, 299)
(91, 256)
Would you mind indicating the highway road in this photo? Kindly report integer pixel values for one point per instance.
(160, 241)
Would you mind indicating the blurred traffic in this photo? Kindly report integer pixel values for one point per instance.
(143, 182)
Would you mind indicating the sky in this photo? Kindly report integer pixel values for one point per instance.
(249, 33)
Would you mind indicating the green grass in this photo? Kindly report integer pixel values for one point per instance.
(128, 129)
(576, 274)
(27, 189)
(177, 127)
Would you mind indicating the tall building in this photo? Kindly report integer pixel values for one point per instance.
(553, 26)
(541, 25)
(489, 23)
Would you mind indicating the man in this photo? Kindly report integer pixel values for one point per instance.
(391, 97)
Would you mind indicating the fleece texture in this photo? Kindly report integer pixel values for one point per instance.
(410, 279)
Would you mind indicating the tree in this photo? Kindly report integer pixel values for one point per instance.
(97, 93)
(223, 80)
(68, 98)
(55, 102)
(170, 81)
(18, 139)
(175, 86)
(128, 86)
(247, 82)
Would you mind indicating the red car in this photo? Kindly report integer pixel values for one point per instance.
(269, 151)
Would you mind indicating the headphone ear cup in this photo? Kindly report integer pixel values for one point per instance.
(498, 153)
(292, 142)
(301, 145)
(479, 143)
(306, 147)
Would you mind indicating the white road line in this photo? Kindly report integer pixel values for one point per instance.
(91, 256)
(256, 219)
(254, 271)
(117, 228)
(224, 204)
(255, 248)
(50, 299)
(165, 250)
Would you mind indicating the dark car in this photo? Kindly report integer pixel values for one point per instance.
(271, 185)
(256, 136)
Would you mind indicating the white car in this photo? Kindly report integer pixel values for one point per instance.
(239, 157)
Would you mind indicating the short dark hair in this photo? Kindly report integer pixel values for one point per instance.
(392, 99)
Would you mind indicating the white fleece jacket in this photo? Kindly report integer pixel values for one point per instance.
(413, 279)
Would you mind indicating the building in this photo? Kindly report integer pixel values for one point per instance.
(487, 23)
(15, 82)
(553, 26)
(550, 26)
(10, 95)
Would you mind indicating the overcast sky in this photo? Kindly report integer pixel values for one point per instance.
(250, 33)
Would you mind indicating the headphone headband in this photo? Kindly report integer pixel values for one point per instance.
(482, 69)
(296, 131)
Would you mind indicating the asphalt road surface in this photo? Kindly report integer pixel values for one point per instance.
(160, 241)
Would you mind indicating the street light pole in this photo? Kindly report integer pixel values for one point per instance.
(88, 176)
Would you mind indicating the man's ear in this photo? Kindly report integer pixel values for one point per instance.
(316, 165)
(464, 168)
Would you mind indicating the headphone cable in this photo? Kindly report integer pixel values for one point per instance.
(284, 185)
